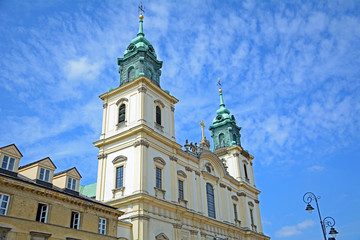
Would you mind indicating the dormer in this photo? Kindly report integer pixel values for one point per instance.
(42, 171)
(9, 159)
(68, 179)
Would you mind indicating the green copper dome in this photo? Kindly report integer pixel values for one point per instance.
(139, 59)
(225, 132)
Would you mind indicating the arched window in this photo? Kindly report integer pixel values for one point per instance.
(234, 137)
(131, 73)
(122, 113)
(158, 115)
(245, 171)
(221, 140)
(210, 200)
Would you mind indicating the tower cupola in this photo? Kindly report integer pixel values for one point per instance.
(140, 59)
(224, 131)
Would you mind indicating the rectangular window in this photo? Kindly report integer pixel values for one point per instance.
(75, 220)
(181, 189)
(158, 178)
(235, 212)
(120, 177)
(102, 226)
(71, 184)
(4, 203)
(8, 163)
(44, 174)
(251, 217)
(42, 212)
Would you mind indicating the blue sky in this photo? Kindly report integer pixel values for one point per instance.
(290, 72)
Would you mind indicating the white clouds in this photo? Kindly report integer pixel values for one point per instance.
(82, 68)
(288, 231)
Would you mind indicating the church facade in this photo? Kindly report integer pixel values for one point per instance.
(164, 190)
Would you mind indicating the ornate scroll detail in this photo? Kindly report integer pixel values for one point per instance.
(257, 201)
(101, 156)
(159, 160)
(194, 232)
(235, 198)
(177, 225)
(228, 188)
(173, 158)
(222, 185)
(105, 105)
(251, 204)
(236, 154)
(181, 173)
(197, 173)
(159, 102)
(142, 89)
(141, 142)
(172, 109)
(121, 100)
(242, 194)
(188, 169)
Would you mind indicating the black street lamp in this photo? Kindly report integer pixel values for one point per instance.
(326, 222)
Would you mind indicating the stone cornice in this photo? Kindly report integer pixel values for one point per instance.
(141, 142)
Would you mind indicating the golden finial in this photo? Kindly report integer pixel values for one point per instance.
(141, 10)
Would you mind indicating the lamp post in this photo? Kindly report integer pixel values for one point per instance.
(326, 222)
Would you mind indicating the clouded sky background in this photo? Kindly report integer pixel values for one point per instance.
(290, 72)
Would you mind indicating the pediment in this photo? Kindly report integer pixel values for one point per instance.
(159, 160)
(181, 173)
(118, 159)
(73, 172)
(161, 236)
(11, 150)
(47, 163)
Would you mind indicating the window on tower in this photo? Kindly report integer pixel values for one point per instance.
(158, 115)
(246, 174)
(122, 113)
(131, 73)
(221, 140)
(210, 200)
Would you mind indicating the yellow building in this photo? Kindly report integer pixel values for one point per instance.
(37, 204)
(165, 191)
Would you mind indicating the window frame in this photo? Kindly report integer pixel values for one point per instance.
(119, 178)
(8, 162)
(158, 178)
(102, 226)
(121, 121)
(40, 211)
(71, 181)
(210, 196)
(44, 174)
(5, 209)
(158, 115)
(236, 217)
(74, 215)
(181, 189)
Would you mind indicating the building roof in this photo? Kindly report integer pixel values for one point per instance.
(88, 190)
(14, 146)
(67, 171)
(32, 163)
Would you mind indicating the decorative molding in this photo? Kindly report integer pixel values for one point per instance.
(182, 202)
(141, 142)
(206, 174)
(222, 185)
(194, 232)
(121, 100)
(160, 160)
(244, 161)
(159, 127)
(140, 217)
(235, 198)
(159, 102)
(197, 173)
(119, 159)
(160, 193)
(101, 156)
(121, 124)
(172, 109)
(161, 236)
(118, 190)
(39, 235)
(181, 173)
(256, 201)
(202, 234)
(251, 204)
(236, 154)
(228, 188)
(242, 194)
(142, 89)
(173, 158)
(105, 105)
(177, 225)
(188, 169)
